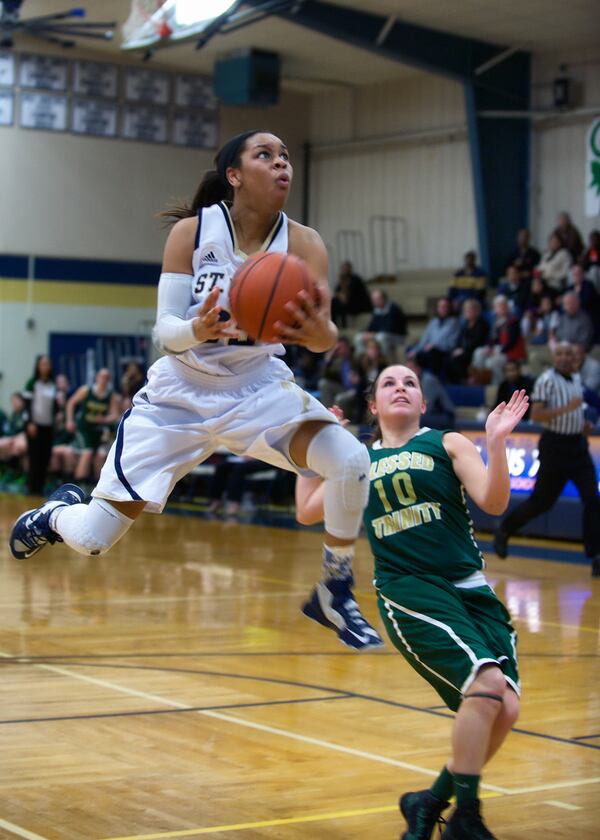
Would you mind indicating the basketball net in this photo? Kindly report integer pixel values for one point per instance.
(143, 22)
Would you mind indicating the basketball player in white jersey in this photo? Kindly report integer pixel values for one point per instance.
(214, 387)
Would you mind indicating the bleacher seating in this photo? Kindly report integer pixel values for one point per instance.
(416, 291)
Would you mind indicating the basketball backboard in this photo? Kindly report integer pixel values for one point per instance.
(154, 21)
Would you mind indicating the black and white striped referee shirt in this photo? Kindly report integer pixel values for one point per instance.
(555, 391)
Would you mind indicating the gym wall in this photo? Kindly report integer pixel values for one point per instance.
(67, 196)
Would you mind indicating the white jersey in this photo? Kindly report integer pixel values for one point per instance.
(216, 259)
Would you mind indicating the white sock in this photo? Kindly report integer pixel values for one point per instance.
(337, 562)
(90, 529)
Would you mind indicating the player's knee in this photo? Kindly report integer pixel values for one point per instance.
(336, 455)
(488, 689)
(511, 707)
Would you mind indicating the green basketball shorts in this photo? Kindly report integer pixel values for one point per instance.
(447, 633)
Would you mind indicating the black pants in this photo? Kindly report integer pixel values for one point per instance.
(39, 450)
(432, 360)
(562, 458)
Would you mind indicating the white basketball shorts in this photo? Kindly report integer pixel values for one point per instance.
(178, 419)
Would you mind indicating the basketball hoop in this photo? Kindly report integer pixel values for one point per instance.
(144, 22)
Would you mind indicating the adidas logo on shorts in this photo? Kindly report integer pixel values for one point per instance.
(209, 258)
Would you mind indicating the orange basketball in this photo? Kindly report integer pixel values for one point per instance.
(262, 286)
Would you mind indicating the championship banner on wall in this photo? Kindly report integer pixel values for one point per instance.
(592, 171)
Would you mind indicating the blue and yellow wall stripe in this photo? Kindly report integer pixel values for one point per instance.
(78, 282)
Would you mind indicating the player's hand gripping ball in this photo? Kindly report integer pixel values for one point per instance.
(262, 287)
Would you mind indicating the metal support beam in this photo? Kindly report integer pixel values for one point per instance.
(501, 56)
(385, 30)
(500, 152)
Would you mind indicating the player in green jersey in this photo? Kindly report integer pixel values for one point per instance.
(91, 410)
(435, 602)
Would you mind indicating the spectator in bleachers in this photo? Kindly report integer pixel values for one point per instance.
(506, 343)
(591, 259)
(307, 367)
(536, 322)
(40, 403)
(63, 390)
(572, 325)
(372, 361)
(350, 296)
(365, 370)
(131, 381)
(440, 409)
(525, 257)
(63, 458)
(337, 373)
(514, 380)
(569, 234)
(474, 332)
(515, 289)
(13, 442)
(587, 294)
(587, 367)
(387, 325)
(470, 281)
(537, 290)
(555, 264)
(438, 340)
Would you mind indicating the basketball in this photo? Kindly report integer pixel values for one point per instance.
(262, 286)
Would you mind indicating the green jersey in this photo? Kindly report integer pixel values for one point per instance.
(89, 431)
(417, 519)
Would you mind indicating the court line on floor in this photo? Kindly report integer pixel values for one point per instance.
(308, 739)
(146, 712)
(41, 657)
(566, 806)
(240, 722)
(316, 741)
(356, 695)
(216, 829)
(583, 737)
(20, 832)
(335, 815)
(195, 832)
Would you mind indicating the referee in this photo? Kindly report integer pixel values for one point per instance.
(557, 404)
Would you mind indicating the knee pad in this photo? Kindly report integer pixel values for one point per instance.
(344, 463)
(337, 456)
(355, 479)
(92, 529)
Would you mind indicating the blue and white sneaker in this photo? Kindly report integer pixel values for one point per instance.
(32, 531)
(332, 604)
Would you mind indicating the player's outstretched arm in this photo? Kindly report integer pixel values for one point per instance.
(488, 487)
(309, 499)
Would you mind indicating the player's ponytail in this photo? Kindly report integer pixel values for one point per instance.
(210, 191)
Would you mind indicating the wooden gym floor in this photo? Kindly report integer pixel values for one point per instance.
(173, 689)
